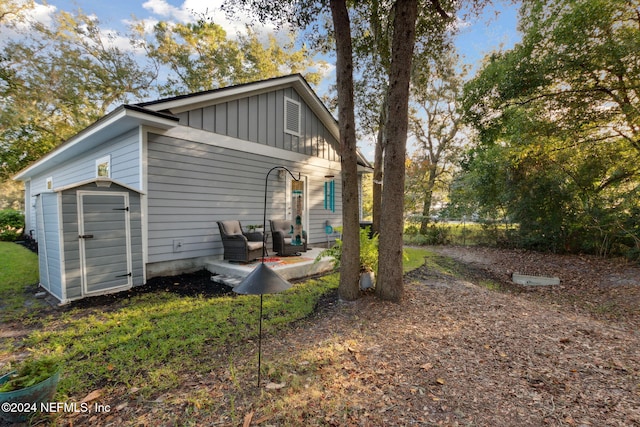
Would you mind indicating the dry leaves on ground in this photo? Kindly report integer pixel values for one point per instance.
(452, 353)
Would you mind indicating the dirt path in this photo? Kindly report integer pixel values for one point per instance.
(602, 288)
(452, 353)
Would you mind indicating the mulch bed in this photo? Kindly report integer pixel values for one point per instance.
(188, 285)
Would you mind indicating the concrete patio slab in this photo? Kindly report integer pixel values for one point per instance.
(290, 268)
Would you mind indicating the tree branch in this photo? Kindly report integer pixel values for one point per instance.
(440, 10)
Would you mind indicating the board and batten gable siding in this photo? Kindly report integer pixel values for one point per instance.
(48, 236)
(71, 241)
(260, 118)
(191, 185)
(124, 151)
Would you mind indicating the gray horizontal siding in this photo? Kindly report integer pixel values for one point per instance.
(125, 166)
(193, 185)
(260, 119)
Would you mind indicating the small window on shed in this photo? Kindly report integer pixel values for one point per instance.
(103, 167)
(292, 113)
(50, 183)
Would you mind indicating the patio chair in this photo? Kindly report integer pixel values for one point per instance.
(237, 246)
(281, 232)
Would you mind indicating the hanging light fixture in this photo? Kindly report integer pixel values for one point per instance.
(264, 280)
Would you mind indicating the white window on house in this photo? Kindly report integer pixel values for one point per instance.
(292, 113)
(103, 167)
(50, 183)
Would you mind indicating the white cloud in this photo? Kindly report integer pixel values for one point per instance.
(167, 11)
(192, 10)
(15, 24)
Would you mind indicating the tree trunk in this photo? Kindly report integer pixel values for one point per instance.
(377, 168)
(426, 208)
(390, 286)
(428, 197)
(350, 259)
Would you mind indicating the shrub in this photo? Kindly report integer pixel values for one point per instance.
(11, 224)
(368, 251)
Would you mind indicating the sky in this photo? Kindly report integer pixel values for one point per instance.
(494, 29)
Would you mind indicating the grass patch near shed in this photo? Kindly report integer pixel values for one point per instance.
(152, 337)
(18, 269)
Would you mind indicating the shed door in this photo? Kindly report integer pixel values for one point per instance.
(105, 241)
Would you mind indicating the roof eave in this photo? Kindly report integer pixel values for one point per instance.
(129, 114)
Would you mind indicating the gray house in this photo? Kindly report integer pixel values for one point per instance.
(138, 193)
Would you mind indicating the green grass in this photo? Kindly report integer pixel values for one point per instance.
(414, 258)
(467, 234)
(443, 264)
(146, 342)
(149, 341)
(18, 268)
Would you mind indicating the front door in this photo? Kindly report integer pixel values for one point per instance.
(105, 241)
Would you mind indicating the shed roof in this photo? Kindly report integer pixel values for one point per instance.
(100, 182)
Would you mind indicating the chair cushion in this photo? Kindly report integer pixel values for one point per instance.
(287, 240)
(252, 246)
(281, 225)
(232, 227)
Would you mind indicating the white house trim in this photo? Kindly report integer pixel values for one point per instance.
(63, 275)
(97, 181)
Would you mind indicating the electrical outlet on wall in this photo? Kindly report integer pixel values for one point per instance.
(177, 245)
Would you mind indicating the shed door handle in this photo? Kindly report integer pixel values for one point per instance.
(86, 236)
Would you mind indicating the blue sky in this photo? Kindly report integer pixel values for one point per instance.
(494, 29)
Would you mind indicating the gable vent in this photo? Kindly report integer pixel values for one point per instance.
(291, 116)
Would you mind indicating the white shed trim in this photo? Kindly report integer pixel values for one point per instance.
(99, 181)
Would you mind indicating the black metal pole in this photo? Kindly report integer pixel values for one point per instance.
(260, 342)
(264, 212)
(264, 248)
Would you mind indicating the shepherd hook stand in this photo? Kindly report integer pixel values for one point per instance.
(264, 280)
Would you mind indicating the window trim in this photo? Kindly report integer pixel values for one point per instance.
(101, 161)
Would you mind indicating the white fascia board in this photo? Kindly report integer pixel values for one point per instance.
(97, 180)
(180, 104)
